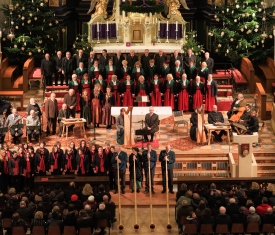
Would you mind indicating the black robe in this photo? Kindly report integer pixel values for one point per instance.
(138, 165)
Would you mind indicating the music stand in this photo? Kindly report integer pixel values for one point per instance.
(32, 128)
(3, 129)
(18, 126)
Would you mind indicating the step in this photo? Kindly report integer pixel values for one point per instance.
(266, 164)
(265, 171)
(18, 83)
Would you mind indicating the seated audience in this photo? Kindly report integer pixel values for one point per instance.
(101, 214)
(262, 208)
(223, 218)
(16, 221)
(38, 220)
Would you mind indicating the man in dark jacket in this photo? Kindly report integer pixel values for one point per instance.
(58, 69)
(233, 208)
(23, 211)
(151, 124)
(101, 214)
(67, 67)
(63, 113)
(71, 101)
(223, 218)
(120, 160)
(253, 123)
(132, 59)
(160, 58)
(47, 69)
(103, 59)
(167, 157)
(149, 156)
(51, 112)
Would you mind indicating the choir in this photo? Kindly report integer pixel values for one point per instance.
(176, 83)
(18, 168)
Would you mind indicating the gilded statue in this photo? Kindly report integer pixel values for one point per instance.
(100, 7)
(174, 5)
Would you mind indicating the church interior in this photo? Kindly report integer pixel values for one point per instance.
(225, 49)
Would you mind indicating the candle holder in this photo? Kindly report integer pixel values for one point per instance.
(98, 42)
(176, 37)
(107, 41)
(167, 39)
(117, 39)
(158, 41)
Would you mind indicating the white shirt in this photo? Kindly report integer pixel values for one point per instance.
(156, 82)
(209, 82)
(138, 70)
(125, 69)
(184, 82)
(96, 69)
(110, 68)
(75, 83)
(128, 82)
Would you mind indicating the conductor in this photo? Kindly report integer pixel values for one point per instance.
(151, 124)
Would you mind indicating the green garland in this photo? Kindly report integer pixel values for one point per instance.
(136, 7)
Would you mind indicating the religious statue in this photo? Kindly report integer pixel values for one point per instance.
(100, 7)
(174, 5)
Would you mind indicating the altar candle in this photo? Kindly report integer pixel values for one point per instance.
(97, 24)
(107, 26)
(167, 26)
(123, 14)
(159, 25)
(150, 17)
(176, 25)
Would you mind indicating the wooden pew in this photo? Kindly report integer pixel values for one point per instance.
(248, 72)
(15, 94)
(64, 180)
(273, 117)
(263, 106)
(269, 77)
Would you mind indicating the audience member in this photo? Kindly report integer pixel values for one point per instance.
(16, 221)
(101, 214)
(253, 217)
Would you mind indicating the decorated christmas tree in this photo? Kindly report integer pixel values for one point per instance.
(246, 30)
(30, 30)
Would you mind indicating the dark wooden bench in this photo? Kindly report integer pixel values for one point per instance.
(64, 180)
(14, 93)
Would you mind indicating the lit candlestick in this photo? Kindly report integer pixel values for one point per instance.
(167, 26)
(150, 17)
(176, 25)
(97, 24)
(123, 14)
(107, 26)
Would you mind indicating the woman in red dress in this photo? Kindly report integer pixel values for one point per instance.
(183, 96)
(142, 90)
(115, 88)
(86, 84)
(169, 91)
(96, 104)
(27, 170)
(108, 103)
(211, 91)
(198, 92)
(75, 85)
(128, 91)
(156, 91)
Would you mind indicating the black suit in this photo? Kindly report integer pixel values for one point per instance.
(103, 61)
(77, 59)
(159, 60)
(145, 61)
(118, 62)
(253, 125)
(47, 70)
(214, 117)
(62, 114)
(91, 62)
(58, 74)
(210, 64)
(153, 160)
(67, 67)
(152, 122)
(173, 60)
(131, 61)
(170, 166)
(188, 58)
